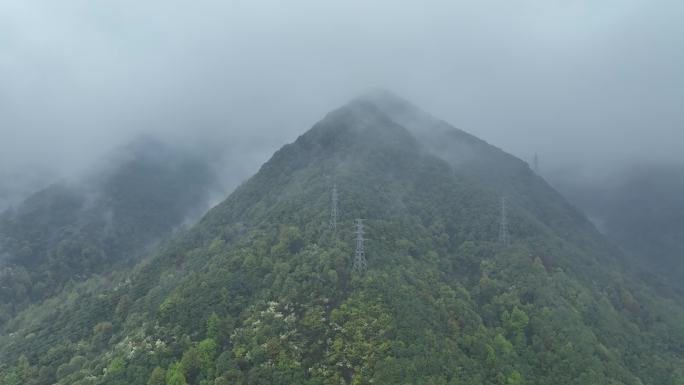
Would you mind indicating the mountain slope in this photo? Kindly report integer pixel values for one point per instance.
(261, 290)
(497, 171)
(71, 230)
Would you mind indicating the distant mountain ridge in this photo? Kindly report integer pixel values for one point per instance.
(71, 230)
(641, 210)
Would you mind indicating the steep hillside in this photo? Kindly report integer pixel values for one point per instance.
(496, 171)
(262, 290)
(70, 230)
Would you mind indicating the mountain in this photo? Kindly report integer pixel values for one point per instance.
(492, 169)
(17, 184)
(70, 230)
(642, 211)
(262, 290)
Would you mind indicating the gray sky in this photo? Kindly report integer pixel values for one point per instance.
(580, 82)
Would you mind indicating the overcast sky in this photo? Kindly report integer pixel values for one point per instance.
(580, 82)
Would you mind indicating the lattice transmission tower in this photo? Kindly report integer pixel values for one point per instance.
(333, 210)
(503, 223)
(360, 264)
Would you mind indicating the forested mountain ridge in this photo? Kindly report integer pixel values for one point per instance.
(497, 171)
(73, 229)
(261, 290)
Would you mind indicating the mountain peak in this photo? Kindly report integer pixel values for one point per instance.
(362, 124)
(382, 97)
(398, 109)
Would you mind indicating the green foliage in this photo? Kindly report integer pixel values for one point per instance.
(158, 377)
(67, 233)
(261, 291)
(175, 376)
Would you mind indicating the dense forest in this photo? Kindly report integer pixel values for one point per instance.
(261, 290)
(110, 218)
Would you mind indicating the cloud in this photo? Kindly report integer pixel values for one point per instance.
(576, 81)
